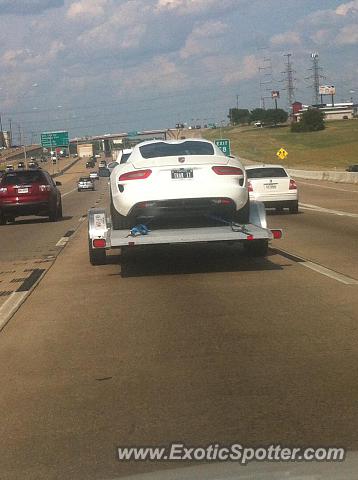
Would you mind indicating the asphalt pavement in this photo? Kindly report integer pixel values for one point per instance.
(196, 344)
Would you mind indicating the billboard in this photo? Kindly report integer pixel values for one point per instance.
(327, 90)
(275, 94)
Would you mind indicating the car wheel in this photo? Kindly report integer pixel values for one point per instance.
(3, 219)
(120, 222)
(78, 189)
(59, 212)
(53, 215)
(256, 248)
(294, 208)
(242, 215)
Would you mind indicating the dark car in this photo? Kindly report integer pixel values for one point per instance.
(90, 163)
(352, 168)
(104, 172)
(29, 192)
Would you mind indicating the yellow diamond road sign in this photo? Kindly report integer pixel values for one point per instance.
(282, 153)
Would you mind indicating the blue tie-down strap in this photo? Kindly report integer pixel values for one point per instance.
(139, 230)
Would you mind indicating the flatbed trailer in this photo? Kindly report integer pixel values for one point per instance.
(254, 236)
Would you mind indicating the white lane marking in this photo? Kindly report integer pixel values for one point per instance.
(339, 277)
(326, 186)
(340, 213)
(67, 193)
(329, 273)
(9, 307)
(62, 242)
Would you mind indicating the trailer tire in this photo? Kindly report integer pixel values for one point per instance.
(97, 256)
(243, 215)
(120, 222)
(256, 248)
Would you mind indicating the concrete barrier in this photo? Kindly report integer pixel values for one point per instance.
(330, 176)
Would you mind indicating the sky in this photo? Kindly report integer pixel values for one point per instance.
(110, 66)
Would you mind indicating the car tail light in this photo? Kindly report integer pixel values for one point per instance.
(44, 188)
(224, 170)
(249, 186)
(135, 175)
(293, 185)
(3, 191)
(277, 234)
(146, 204)
(99, 243)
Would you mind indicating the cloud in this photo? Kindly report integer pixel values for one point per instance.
(203, 38)
(287, 38)
(90, 8)
(188, 7)
(347, 8)
(27, 7)
(348, 35)
(244, 70)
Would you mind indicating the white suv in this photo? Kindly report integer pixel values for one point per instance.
(272, 185)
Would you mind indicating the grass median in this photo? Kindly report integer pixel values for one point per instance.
(336, 147)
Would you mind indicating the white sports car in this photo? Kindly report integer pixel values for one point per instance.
(175, 179)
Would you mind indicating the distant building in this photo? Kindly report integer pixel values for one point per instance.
(337, 111)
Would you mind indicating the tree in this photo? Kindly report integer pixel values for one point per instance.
(273, 116)
(258, 115)
(239, 115)
(312, 120)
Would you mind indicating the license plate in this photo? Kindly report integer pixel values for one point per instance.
(271, 186)
(22, 190)
(182, 173)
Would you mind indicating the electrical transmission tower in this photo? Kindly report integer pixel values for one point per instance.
(316, 77)
(266, 79)
(289, 79)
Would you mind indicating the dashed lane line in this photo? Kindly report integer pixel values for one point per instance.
(327, 272)
(317, 208)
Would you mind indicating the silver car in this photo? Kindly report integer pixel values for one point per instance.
(85, 183)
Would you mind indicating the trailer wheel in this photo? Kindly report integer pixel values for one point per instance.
(243, 215)
(97, 256)
(256, 248)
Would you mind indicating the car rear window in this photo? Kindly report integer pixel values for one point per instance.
(266, 172)
(125, 157)
(163, 149)
(22, 178)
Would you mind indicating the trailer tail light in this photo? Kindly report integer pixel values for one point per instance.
(223, 170)
(250, 237)
(99, 243)
(249, 186)
(44, 188)
(277, 234)
(293, 185)
(135, 175)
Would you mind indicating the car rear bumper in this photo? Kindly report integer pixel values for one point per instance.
(184, 208)
(274, 199)
(23, 209)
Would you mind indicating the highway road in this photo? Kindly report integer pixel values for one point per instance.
(191, 344)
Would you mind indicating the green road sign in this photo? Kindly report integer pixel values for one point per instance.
(224, 145)
(54, 139)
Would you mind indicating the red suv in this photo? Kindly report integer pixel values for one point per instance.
(29, 192)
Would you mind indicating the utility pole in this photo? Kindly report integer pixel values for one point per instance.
(237, 102)
(10, 130)
(289, 72)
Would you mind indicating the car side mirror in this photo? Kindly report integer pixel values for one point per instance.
(58, 184)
